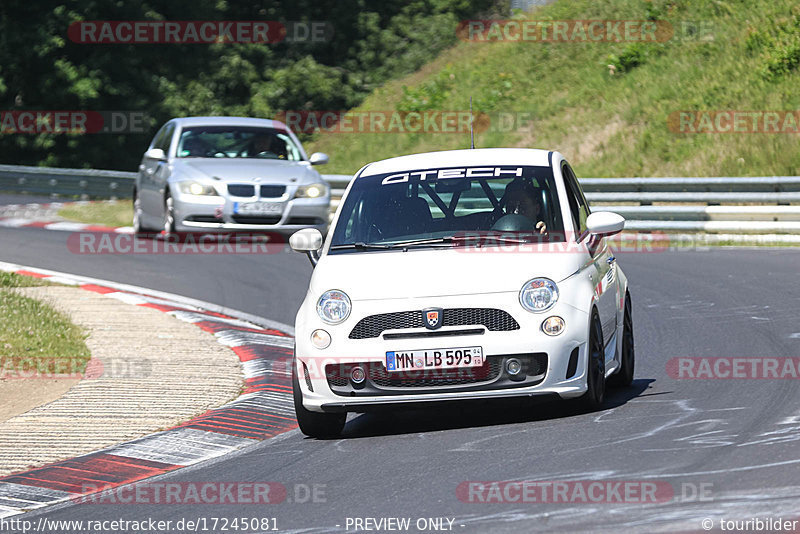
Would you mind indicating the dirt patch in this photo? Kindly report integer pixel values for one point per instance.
(578, 144)
(20, 396)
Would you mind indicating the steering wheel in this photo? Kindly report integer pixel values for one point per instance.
(514, 222)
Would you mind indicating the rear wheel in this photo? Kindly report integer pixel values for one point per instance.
(595, 367)
(138, 228)
(315, 424)
(624, 377)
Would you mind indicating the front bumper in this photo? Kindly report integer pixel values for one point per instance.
(557, 377)
(216, 214)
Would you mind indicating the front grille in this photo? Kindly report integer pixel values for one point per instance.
(272, 191)
(491, 375)
(338, 375)
(493, 319)
(241, 190)
(256, 219)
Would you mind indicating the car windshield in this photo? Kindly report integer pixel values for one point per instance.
(237, 142)
(448, 207)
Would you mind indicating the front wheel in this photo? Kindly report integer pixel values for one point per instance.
(169, 214)
(314, 424)
(595, 367)
(624, 377)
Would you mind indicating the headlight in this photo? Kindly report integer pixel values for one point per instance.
(552, 326)
(311, 191)
(196, 188)
(333, 306)
(538, 295)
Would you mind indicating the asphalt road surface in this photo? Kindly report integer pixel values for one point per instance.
(727, 448)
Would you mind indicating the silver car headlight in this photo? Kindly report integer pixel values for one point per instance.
(333, 306)
(196, 188)
(311, 191)
(538, 295)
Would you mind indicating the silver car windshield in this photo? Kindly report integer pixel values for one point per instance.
(237, 142)
(439, 207)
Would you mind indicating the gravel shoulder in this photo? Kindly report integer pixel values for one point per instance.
(149, 371)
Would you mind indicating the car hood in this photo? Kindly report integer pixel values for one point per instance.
(437, 272)
(244, 170)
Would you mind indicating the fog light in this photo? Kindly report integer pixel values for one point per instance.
(358, 375)
(513, 366)
(552, 326)
(320, 339)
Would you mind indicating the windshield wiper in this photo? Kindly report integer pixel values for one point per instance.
(451, 240)
(361, 246)
(426, 241)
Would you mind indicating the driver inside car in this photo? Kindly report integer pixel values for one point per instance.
(522, 199)
(268, 146)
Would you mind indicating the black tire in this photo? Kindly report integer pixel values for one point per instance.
(315, 424)
(169, 214)
(595, 367)
(624, 377)
(139, 230)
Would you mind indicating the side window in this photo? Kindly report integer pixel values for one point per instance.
(577, 202)
(165, 139)
(159, 137)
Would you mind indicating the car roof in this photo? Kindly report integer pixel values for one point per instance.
(228, 121)
(460, 158)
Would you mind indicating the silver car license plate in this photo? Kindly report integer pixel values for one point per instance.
(258, 208)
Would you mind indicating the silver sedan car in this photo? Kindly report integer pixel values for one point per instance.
(229, 174)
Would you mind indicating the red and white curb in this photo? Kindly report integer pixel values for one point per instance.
(45, 216)
(263, 411)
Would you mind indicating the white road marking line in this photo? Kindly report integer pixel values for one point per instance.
(235, 338)
(66, 226)
(181, 446)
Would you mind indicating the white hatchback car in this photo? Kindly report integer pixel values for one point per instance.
(463, 274)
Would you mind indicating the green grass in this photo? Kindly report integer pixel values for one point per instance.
(607, 124)
(111, 213)
(36, 339)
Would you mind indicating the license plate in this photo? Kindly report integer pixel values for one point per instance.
(258, 208)
(434, 359)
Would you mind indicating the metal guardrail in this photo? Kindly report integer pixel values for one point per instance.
(691, 204)
(83, 183)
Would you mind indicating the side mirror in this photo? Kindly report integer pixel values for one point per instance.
(155, 153)
(308, 240)
(605, 223)
(318, 158)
